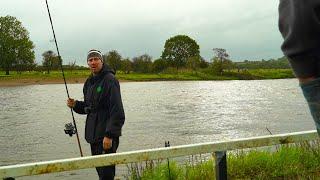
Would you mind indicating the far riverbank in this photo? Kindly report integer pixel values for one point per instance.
(79, 76)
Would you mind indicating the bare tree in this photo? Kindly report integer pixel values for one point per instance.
(72, 65)
(221, 55)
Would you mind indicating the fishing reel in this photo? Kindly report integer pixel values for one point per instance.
(70, 129)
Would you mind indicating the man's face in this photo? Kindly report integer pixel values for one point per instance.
(95, 64)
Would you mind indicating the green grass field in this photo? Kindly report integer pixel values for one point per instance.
(45, 75)
(178, 75)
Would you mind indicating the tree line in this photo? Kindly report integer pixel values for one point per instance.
(179, 52)
(280, 63)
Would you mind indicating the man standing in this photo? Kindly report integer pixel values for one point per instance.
(299, 24)
(103, 106)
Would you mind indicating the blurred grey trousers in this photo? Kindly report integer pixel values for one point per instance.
(311, 92)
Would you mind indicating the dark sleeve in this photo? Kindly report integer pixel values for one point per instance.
(79, 107)
(116, 111)
(299, 24)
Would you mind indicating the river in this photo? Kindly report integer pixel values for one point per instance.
(32, 118)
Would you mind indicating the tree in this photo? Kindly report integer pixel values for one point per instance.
(50, 60)
(178, 49)
(113, 59)
(56, 63)
(219, 67)
(159, 65)
(203, 63)
(193, 62)
(72, 65)
(280, 63)
(25, 58)
(228, 65)
(142, 64)
(126, 66)
(220, 59)
(15, 46)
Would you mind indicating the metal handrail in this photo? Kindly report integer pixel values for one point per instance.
(152, 154)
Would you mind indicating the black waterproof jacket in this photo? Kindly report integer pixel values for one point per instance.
(299, 24)
(103, 106)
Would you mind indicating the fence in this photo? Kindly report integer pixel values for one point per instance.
(218, 148)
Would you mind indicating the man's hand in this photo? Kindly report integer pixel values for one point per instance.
(71, 103)
(107, 143)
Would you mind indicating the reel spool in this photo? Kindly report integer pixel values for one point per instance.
(69, 129)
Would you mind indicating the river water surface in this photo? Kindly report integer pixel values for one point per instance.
(32, 118)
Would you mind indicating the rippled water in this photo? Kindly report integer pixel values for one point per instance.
(32, 118)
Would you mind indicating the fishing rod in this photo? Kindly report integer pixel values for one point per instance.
(70, 129)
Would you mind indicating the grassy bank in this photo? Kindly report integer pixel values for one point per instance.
(300, 161)
(80, 75)
(45, 75)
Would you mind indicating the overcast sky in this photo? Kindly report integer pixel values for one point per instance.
(246, 28)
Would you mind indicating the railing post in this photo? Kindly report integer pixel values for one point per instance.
(221, 165)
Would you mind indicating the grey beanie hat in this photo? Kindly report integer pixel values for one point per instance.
(94, 53)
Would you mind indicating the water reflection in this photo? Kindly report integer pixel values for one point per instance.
(32, 118)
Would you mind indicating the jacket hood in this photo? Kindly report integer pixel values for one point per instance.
(105, 70)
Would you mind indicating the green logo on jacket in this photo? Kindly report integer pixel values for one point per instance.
(99, 89)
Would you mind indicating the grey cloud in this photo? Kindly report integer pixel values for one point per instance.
(246, 28)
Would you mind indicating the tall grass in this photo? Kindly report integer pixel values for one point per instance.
(299, 161)
(290, 161)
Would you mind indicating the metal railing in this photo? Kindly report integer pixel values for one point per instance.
(218, 148)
